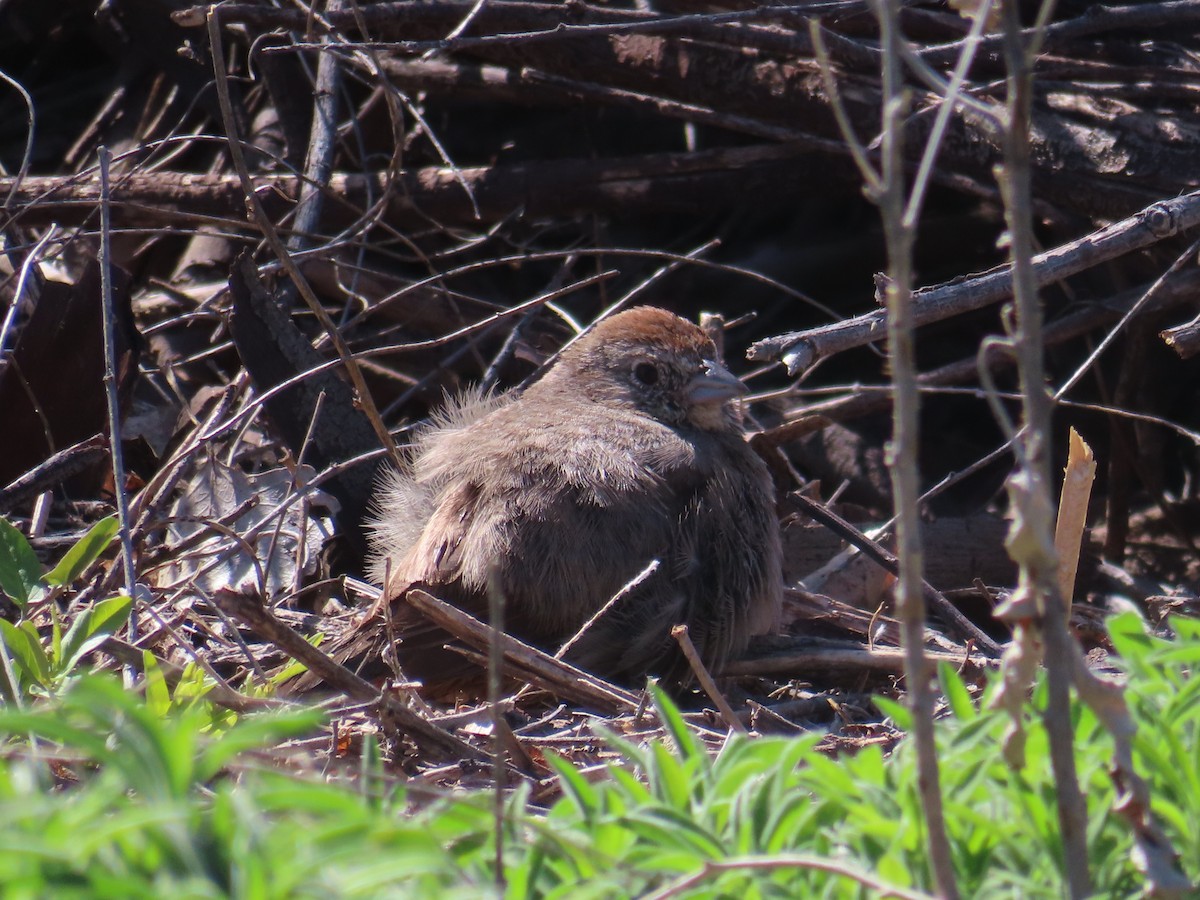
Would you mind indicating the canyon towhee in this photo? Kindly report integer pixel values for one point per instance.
(628, 450)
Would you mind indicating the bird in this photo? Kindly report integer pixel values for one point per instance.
(629, 451)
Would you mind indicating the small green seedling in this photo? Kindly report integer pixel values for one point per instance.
(27, 664)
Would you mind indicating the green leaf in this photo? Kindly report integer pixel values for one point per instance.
(631, 789)
(20, 571)
(52, 724)
(294, 668)
(669, 778)
(26, 649)
(635, 755)
(252, 732)
(1185, 629)
(55, 633)
(90, 628)
(900, 714)
(675, 828)
(686, 744)
(957, 695)
(158, 696)
(1130, 638)
(10, 684)
(85, 552)
(575, 786)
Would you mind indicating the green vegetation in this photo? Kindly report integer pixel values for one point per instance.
(27, 664)
(159, 792)
(106, 793)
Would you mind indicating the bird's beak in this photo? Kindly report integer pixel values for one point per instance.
(715, 384)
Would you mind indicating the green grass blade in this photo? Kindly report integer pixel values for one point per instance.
(20, 570)
(85, 551)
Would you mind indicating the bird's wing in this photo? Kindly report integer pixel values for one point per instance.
(512, 540)
(559, 554)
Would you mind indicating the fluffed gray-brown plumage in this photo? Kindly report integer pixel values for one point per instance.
(628, 450)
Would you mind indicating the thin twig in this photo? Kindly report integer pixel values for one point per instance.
(495, 676)
(62, 465)
(318, 162)
(878, 888)
(1035, 552)
(271, 235)
(623, 592)
(30, 121)
(521, 659)
(218, 692)
(114, 403)
(680, 633)
(899, 226)
(963, 627)
(250, 611)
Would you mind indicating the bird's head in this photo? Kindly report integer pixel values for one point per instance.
(652, 361)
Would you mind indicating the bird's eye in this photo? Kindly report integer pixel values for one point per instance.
(646, 373)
